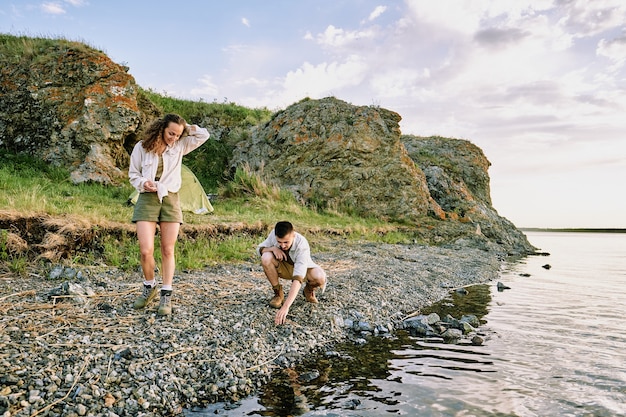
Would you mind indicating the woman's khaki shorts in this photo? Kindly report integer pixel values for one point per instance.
(149, 209)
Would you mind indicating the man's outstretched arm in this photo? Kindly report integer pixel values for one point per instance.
(281, 314)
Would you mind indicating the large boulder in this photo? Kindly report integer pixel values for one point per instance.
(457, 178)
(336, 155)
(70, 105)
(456, 172)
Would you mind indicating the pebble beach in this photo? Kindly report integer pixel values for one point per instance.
(72, 345)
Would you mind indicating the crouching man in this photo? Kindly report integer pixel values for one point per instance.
(286, 254)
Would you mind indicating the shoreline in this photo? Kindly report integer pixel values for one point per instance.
(89, 353)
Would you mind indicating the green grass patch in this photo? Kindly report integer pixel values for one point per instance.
(17, 49)
(30, 186)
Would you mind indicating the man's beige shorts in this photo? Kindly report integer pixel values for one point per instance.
(149, 209)
(285, 270)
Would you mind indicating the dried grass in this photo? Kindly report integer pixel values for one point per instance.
(53, 241)
(54, 238)
(14, 244)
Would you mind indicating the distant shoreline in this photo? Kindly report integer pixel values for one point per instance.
(581, 230)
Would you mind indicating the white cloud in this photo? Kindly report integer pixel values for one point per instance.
(337, 37)
(76, 3)
(253, 82)
(401, 82)
(324, 79)
(245, 21)
(614, 50)
(502, 61)
(207, 88)
(587, 19)
(52, 8)
(449, 15)
(378, 11)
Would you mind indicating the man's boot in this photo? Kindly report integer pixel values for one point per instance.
(279, 296)
(309, 294)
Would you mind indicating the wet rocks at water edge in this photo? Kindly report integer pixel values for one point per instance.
(449, 329)
(477, 340)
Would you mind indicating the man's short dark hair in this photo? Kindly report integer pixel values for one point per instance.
(282, 229)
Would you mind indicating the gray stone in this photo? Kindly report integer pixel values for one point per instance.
(419, 326)
(477, 340)
(452, 335)
(432, 318)
(471, 319)
(466, 328)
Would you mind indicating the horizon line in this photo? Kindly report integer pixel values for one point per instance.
(575, 229)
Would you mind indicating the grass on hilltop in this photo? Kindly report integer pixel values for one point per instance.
(19, 49)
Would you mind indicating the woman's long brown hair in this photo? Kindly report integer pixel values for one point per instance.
(154, 132)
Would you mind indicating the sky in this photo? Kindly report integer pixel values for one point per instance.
(538, 85)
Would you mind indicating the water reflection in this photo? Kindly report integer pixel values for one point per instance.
(476, 301)
(369, 378)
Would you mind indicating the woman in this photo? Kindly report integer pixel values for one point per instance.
(155, 171)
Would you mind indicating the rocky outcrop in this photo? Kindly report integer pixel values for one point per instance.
(69, 105)
(456, 171)
(457, 178)
(334, 155)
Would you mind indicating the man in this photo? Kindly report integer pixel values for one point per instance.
(286, 254)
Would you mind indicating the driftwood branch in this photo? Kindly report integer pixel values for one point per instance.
(52, 404)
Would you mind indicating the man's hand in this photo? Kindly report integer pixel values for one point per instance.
(281, 315)
(278, 253)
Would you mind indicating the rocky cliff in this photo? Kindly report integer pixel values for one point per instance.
(69, 105)
(332, 154)
(457, 179)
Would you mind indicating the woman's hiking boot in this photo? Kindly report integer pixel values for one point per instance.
(148, 295)
(279, 296)
(165, 305)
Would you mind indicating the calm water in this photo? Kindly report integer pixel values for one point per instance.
(555, 345)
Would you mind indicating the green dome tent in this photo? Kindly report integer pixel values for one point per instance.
(192, 195)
